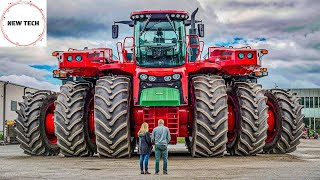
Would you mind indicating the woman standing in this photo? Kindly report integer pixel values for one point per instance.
(145, 147)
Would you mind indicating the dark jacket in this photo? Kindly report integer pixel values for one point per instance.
(144, 146)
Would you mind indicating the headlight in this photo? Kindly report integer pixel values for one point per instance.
(182, 16)
(137, 16)
(78, 58)
(141, 16)
(241, 55)
(132, 17)
(172, 15)
(178, 16)
(176, 76)
(249, 55)
(69, 58)
(143, 77)
(167, 78)
(152, 78)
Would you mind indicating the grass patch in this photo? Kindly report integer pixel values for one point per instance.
(181, 140)
(1, 136)
(318, 131)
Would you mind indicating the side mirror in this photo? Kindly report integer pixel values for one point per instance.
(187, 22)
(201, 30)
(115, 31)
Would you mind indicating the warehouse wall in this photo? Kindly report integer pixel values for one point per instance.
(14, 95)
(310, 98)
(1, 106)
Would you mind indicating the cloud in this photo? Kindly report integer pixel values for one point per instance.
(87, 19)
(15, 68)
(72, 27)
(30, 82)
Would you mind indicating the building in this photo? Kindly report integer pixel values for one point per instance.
(310, 98)
(10, 95)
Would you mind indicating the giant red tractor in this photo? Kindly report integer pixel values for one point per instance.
(214, 102)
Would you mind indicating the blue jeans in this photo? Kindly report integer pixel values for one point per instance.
(161, 150)
(144, 158)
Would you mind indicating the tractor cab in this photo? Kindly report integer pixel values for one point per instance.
(159, 39)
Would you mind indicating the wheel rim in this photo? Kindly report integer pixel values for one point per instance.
(231, 119)
(271, 132)
(92, 135)
(49, 125)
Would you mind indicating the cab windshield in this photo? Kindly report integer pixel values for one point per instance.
(159, 43)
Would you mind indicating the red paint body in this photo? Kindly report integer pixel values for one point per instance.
(92, 135)
(175, 118)
(49, 124)
(271, 131)
(178, 119)
(232, 131)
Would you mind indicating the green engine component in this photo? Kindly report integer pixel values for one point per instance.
(160, 96)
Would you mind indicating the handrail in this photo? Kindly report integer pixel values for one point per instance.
(118, 50)
(190, 45)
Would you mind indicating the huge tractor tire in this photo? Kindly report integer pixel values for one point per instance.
(285, 121)
(247, 119)
(74, 120)
(35, 129)
(209, 135)
(111, 113)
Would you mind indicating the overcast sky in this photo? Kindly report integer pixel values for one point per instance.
(290, 30)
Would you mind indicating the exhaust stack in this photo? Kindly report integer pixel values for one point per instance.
(193, 29)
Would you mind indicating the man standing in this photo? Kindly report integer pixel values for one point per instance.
(161, 138)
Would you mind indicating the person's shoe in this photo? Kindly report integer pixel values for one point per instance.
(147, 172)
(156, 173)
(142, 172)
(165, 173)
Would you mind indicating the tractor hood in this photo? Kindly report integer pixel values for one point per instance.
(160, 96)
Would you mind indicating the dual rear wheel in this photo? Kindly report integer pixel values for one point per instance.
(34, 125)
(285, 121)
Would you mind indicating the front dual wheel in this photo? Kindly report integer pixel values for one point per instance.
(209, 135)
(112, 121)
(92, 120)
(233, 120)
